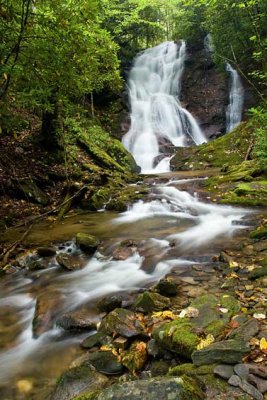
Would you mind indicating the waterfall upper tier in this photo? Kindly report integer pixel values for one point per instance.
(156, 112)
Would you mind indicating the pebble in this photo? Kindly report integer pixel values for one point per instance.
(224, 371)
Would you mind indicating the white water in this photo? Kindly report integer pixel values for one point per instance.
(236, 100)
(154, 89)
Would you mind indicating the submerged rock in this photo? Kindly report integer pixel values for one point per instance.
(69, 262)
(121, 322)
(87, 243)
(149, 301)
(78, 381)
(161, 388)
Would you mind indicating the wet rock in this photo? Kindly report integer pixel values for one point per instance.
(161, 388)
(78, 381)
(87, 243)
(149, 301)
(109, 303)
(105, 362)
(167, 287)
(36, 265)
(96, 339)
(224, 371)
(46, 251)
(246, 331)
(135, 357)
(121, 322)
(245, 386)
(258, 273)
(69, 262)
(46, 309)
(122, 253)
(76, 321)
(227, 351)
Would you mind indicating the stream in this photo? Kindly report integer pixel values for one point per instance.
(171, 230)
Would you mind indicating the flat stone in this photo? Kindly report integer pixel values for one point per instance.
(46, 251)
(259, 370)
(245, 386)
(121, 322)
(149, 301)
(246, 331)
(160, 388)
(105, 362)
(96, 339)
(69, 262)
(76, 321)
(224, 371)
(242, 370)
(109, 303)
(260, 383)
(77, 381)
(227, 351)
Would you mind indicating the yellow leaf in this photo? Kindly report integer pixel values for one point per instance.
(105, 347)
(233, 264)
(205, 342)
(164, 315)
(263, 344)
(5, 77)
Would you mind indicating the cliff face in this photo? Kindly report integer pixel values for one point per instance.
(205, 91)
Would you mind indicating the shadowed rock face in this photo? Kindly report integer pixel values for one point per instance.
(205, 91)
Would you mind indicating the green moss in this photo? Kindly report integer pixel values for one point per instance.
(229, 149)
(229, 302)
(91, 395)
(177, 336)
(216, 327)
(190, 370)
(207, 299)
(192, 386)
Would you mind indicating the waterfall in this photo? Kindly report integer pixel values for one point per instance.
(156, 113)
(208, 43)
(236, 99)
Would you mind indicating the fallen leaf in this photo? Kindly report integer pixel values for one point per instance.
(209, 339)
(259, 316)
(263, 344)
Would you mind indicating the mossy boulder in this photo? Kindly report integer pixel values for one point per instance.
(260, 232)
(87, 243)
(29, 190)
(230, 149)
(190, 369)
(150, 301)
(77, 381)
(105, 150)
(135, 357)
(160, 388)
(177, 336)
(121, 322)
(167, 287)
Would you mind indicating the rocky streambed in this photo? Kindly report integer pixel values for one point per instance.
(166, 300)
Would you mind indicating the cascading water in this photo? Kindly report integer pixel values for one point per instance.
(156, 113)
(235, 107)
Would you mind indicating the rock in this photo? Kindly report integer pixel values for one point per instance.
(224, 371)
(153, 348)
(121, 322)
(149, 301)
(189, 369)
(69, 262)
(76, 321)
(246, 331)
(245, 386)
(46, 308)
(122, 253)
(36, 265)
(259, 370)
(257, 273)
(96, 339)
(109, 303)
(177, 336)
(160, 388)
(135, 357)
(159, 368)
(167, 287)
(105, 362)
(227, 351)
(242, 370)
(87, 243)
(46, 251)
(29, 190)
(260, 383)
(78, 381)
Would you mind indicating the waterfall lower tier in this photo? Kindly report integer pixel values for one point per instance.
(156, 113)
(236, 100)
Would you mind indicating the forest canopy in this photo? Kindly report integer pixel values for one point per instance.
(54, 54)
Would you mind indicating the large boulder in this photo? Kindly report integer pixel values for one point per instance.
(160, 388)
(87, 243)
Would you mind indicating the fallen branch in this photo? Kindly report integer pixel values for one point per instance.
(250, 147)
